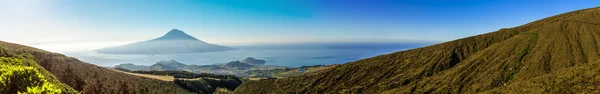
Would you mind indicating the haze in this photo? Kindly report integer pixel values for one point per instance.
(69, 25)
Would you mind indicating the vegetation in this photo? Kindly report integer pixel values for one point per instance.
(583, 78)
(201, 83)
(207, 86)
(237, 68)
(71, 75)
(223, 91)
(21, 73)
(183, 74)
(16, 78)
(286, 72)
(559, 54)
(546, 56)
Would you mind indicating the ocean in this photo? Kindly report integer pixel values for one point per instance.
(290, 55)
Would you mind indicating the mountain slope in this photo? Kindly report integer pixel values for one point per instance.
(19, 73)
(175, 41)
(469, 65)
(88, 78)
(167, 65)
(583, 78)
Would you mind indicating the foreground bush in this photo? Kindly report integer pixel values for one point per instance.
(15, 78)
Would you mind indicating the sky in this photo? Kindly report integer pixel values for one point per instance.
(64, 25)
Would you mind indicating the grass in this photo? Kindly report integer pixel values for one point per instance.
(157, 77)
(579, 79)
(287, 72)
(514, 68)
(543, 56)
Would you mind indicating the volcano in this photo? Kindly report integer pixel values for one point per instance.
(174, 42)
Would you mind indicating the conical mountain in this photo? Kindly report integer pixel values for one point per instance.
(558, 54)
(175, 41)
(176, 34)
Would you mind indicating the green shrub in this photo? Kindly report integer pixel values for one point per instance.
(15, 78)
(10, 61)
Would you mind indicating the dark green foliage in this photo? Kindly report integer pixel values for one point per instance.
(198, 86)
(122, 69)
(201, 83)
(207, 86)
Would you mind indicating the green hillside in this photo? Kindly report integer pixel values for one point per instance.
(286, 72)
(70, 75)
(549, 55)
(21, 74)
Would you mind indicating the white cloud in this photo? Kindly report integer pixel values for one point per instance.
(78, 46)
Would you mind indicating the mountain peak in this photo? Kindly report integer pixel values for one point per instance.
(176, 34)
(175, 41)
(175, 31)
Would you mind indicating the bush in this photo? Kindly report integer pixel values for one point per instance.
(207, 86)
(15, 78)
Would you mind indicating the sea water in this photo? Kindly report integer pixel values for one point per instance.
(290, 55)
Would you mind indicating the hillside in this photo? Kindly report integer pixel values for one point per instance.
(286, 72)
(549, 55)
(19, 73)
(167, 65)
(201, 83)
(175, 41)
(88, 78)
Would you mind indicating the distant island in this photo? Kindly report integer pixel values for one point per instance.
(238, 68)
(175, 41)
(247, 68)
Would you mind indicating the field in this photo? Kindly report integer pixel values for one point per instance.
(158, 77)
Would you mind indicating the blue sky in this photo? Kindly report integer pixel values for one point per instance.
(115, 22)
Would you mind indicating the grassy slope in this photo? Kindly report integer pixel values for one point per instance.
(157, 77)
(580, 79)
(287, 72)
(27, 60)
(473, 64)
(91, 79)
